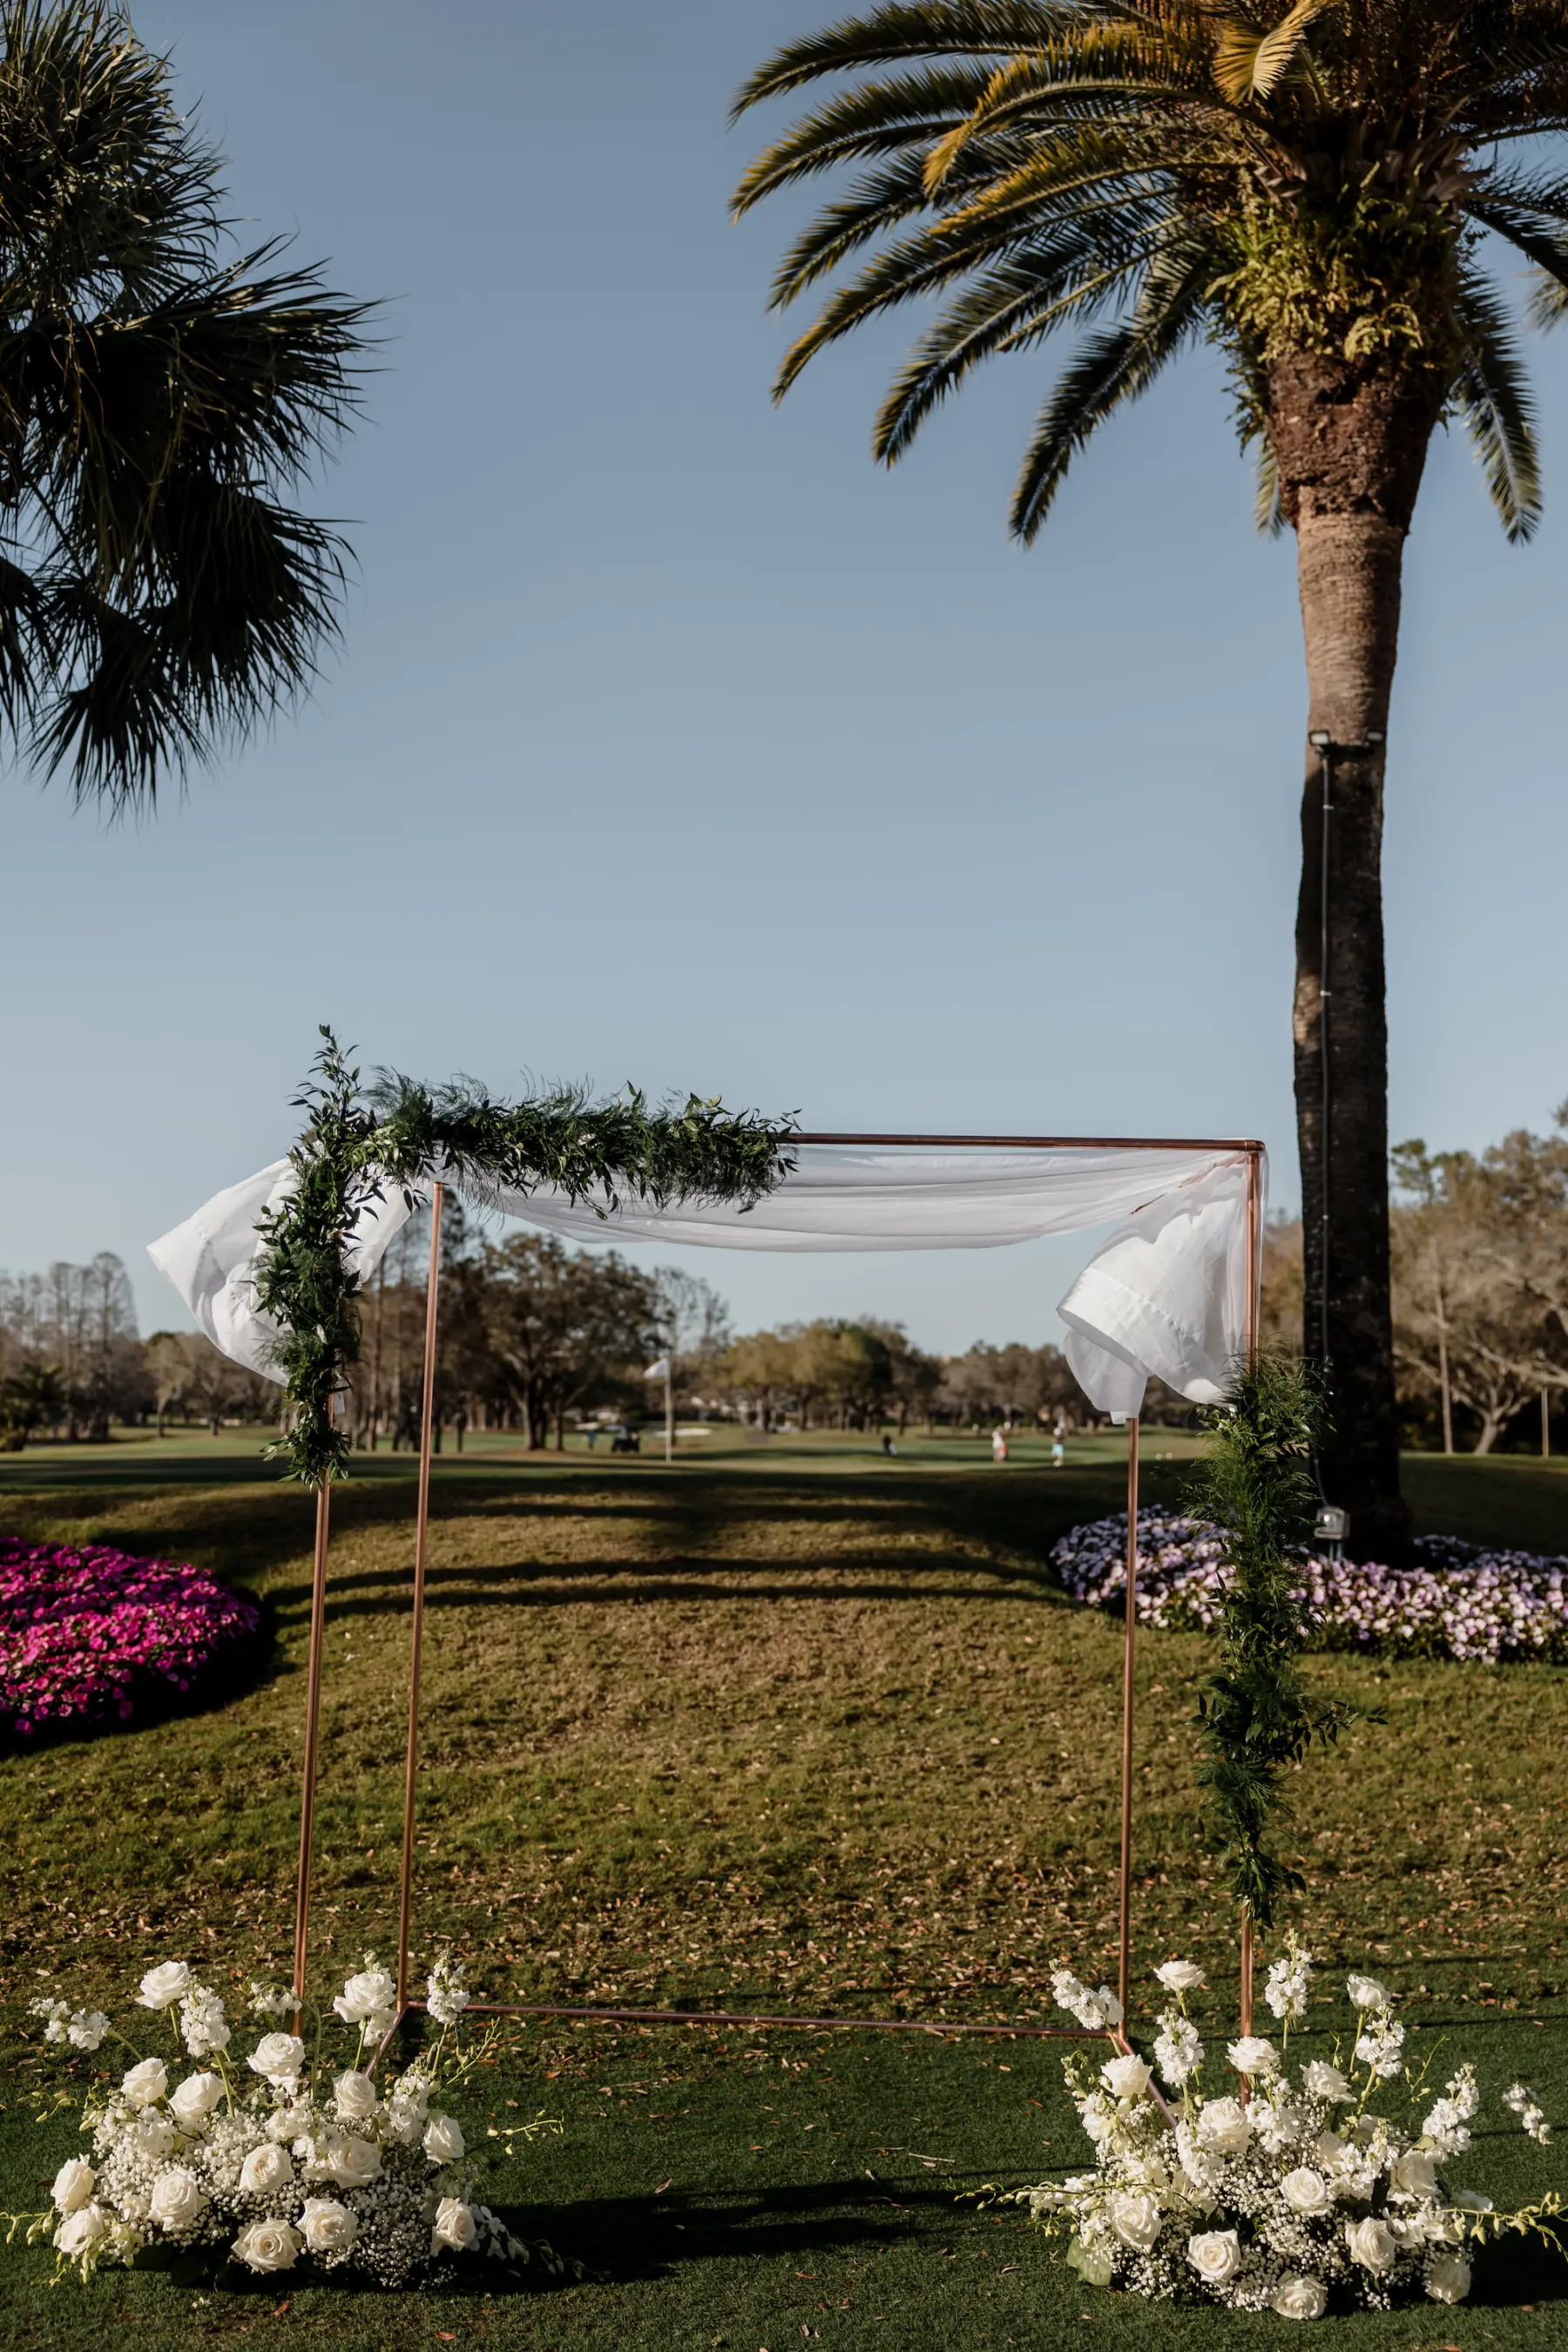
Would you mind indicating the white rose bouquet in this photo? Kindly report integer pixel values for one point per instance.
(280, 2156)
(1285, 2191)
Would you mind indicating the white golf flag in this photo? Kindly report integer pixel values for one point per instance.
(659, 1371)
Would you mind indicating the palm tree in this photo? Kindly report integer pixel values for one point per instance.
(1318, 189)
(162, 395)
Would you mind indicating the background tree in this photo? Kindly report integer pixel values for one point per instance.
(1316, 189)
(163, 394)
(563, 1324)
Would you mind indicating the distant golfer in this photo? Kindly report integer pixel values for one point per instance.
(1059, 1448)
(998, 1444)
(889, 1448)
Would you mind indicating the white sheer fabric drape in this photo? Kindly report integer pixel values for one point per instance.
(1165, 1295)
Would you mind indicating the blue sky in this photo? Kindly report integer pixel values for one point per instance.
(672, 740)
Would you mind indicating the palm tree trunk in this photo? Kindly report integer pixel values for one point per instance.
(1350, 443)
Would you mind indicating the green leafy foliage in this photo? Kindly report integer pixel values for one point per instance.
(358, 1142)
(1256, 1715)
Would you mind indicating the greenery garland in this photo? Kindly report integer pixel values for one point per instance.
(358, 1142)
(1255, 1716)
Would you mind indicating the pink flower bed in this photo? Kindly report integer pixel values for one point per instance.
(78, 1630)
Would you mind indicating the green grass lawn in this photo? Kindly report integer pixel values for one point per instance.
(789, 1727)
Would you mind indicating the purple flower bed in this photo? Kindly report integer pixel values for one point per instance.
(79, 1630)
(1457, 1601)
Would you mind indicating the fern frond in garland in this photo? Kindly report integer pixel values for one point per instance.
(1256, 1715)
(402, 1134)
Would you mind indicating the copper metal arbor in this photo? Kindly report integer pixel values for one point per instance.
(751, 2019)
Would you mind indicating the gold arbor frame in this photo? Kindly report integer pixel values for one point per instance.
(751, 2019)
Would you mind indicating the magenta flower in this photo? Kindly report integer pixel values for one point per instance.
(78, 1630)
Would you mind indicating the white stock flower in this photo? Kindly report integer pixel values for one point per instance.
(54, 2013)
(1372, 2243)
(1448, 2278)
(271, 2245)
(1252, 2055)
(175, 2199)
(146, 2083)
(1288, 1978)
(367, 1997)
(407, 2108)
(1224, 2126)
(278, 2056)
(266, 2002)
(202, 2024)
(1379, 2047)
(1531, 2116)
(164, 1985)
(1135, 2218)
(1321, 2081)
(1216, 2255)
(1414, 2174)
(353, 2095)
(80, 2231)
(446, 1995)
(266, 2170)
(456, 2226)
(1365, 1992)
(1178, 2052)
(153, 2136)
(327, 2227)
(1306, 2191)
(86, 2028)
(1300, 2298)
(1180, 1977)
(444, 2139)
(1124, 2078)
(352, 2163)
(193, 2100)
(74, 2184)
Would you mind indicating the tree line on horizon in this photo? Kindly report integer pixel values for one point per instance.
(538, 1338)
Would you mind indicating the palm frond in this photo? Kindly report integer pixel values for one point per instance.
(1493, 397)
(900, 111)
(977, 29)
(1112, 369)
(1251, 64)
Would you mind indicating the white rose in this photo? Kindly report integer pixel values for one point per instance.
(195, 2098)
(1135, 2219)
(354, 2096)
(1448, 2278)
(1414, 2174)
(146, 2084)
(1180, 1976)
(1216, 2255)
(1254, 2055)
(1125, 2078)
(1301, 2298)
(265, 2170)
(352, 2163)
(81, 2231)
(153, 2136)
(1372, 2243)
(1223, 2125)
(369, 1994)
(163, 1986)
(1306, 2191)
(454, 2226)
(1321, 2081)
(74, 2184)
(327, 2227)
(444, 2139)
(177, 2198)
(1365, 1992)
(279, 2056)
(269, 2245)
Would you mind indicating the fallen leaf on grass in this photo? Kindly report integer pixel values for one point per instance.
(662, 2186)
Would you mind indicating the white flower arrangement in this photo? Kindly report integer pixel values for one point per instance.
(280, 2156)
(1285, 2191)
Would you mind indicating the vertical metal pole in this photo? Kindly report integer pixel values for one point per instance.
(1325, 1159)
(1545, 1424)
(1246, 1972)
(1124, 1954)
(670, 1405)
(417, 1635)
(1254, 1338)
(313, 1721)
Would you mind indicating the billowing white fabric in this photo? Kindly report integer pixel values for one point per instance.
(1164, 1296)
(211, 1260)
